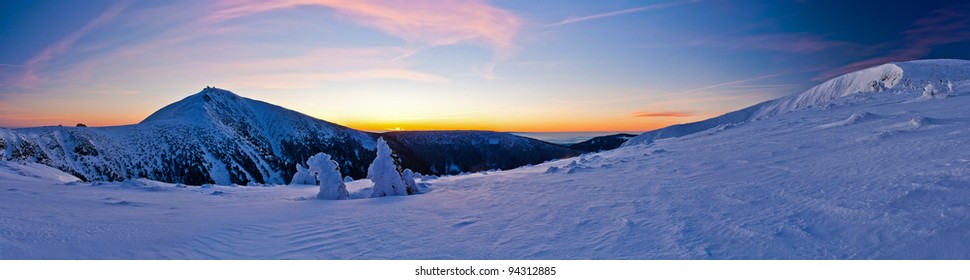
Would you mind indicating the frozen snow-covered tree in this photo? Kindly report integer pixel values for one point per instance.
(327, 174)
(386, 173)
(303, 176)
(408, 177)
(324, 172)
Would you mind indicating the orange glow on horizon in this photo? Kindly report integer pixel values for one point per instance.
(513, 127)
(574, 125)
(23, 121)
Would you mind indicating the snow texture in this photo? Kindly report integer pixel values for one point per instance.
(891, 184)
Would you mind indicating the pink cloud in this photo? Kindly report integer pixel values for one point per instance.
(311, 79)
(944, 26)
(423, 24)
(426, 22)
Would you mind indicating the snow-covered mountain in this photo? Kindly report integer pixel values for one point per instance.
(880, 175)
(934, 77)
(214, 136)
(454, 152)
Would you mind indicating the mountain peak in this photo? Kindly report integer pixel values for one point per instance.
(195, 106)
(890, 76)
(216, 92)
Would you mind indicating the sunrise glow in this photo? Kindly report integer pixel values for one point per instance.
(454, 65)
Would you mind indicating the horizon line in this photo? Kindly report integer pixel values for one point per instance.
(372, 131)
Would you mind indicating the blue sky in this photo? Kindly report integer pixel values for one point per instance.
(496, 65)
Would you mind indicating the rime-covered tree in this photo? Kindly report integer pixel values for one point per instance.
(386, 173)
(303, 176)
(408, 177)
(322, 171)
(328, 176)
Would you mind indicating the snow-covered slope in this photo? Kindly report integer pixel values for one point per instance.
(33, 171)
(933, 76)
(214, 136)
(875, 176)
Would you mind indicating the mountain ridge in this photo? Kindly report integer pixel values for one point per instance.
(450, 152)
(602, 143)
(217, 137)
(895, 77)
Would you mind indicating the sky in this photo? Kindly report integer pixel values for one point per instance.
(523, 66)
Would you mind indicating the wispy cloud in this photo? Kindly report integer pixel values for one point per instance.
(571, 20)
(711, 100)
(422, 24)
(943, 26)
(308, 79)
(175, 51)
(432, 23)
(701, 107)
(662, 114)
(32, 68)
(724, 84)
(486, 71)
(775, 42)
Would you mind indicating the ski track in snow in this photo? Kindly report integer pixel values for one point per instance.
(882, 176)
